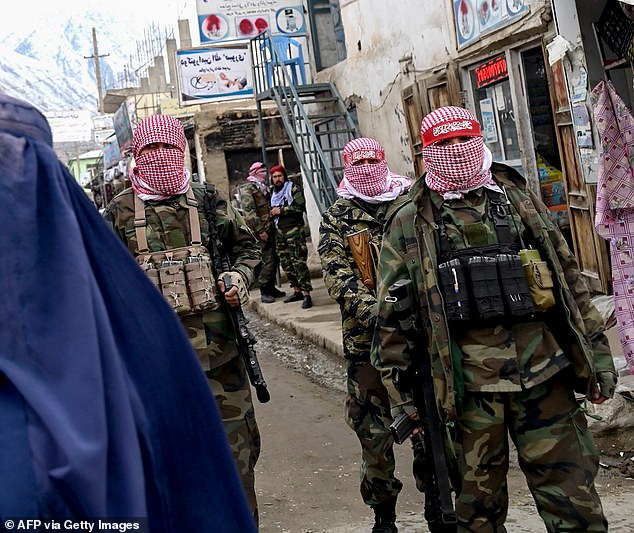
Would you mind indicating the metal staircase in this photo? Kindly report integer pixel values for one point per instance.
(314, 116)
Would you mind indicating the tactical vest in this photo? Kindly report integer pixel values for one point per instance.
(484, 284)
(183, 275)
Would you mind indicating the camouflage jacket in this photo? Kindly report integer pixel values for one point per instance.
(341, 274)
(409, 251)
(256, 208)
(168, 227)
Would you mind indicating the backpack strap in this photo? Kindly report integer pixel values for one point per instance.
(140, 222)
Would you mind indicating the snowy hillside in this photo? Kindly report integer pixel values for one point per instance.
(45, 58)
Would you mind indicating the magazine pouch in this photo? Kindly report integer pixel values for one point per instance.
(488, 303)
(455, 291)
(514, 287)
(183, 275)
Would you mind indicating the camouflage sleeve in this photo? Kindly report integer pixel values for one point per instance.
(249, 209)
(237, 239)
(593, 322)
(299, 202)
(353, 297)
(390, 353)
(109, 216)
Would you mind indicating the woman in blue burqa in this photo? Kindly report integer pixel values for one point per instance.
(104, 411)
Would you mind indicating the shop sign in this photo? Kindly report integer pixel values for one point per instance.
(491, 71)
(111, 154)
(214, 74)
(70, 126)
(475, 18)
(225, 20)
(123, 128)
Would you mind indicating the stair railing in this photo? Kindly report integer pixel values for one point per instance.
(315, 165)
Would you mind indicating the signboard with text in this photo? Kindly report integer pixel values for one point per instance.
(490, 71)
(70, 126)
(228, 20)
(214, 74)
(475, 18)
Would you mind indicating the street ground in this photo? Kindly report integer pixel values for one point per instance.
(307, 475)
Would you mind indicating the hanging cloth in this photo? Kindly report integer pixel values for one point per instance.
(614, 219)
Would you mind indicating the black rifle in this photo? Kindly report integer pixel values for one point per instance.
(244, 338)
(429, 451)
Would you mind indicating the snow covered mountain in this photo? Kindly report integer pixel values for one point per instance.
(46, 56)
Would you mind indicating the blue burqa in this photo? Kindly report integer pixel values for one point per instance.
(104, 410)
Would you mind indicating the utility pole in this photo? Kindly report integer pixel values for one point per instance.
(95, 56)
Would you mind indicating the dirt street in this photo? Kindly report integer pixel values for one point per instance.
(307, 476)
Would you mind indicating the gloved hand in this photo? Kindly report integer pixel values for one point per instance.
(607, 383)
(237, 280)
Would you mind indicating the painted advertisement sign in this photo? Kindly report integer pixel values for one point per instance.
(474, 18)
(123, 128)
(111, 154)
(211, 73)
(229, 20)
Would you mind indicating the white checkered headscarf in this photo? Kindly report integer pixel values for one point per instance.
(458, 167)
(160, 173)
(371, 182)
(257, 175)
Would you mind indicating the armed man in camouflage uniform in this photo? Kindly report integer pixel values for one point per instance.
(349, 238)
(287, 208)
(160, 180)
(502, 376)
(255, 202)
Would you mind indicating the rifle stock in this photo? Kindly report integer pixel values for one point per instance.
(361, 251)
(432, 469)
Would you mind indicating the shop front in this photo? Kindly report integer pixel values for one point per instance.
(517, 120)
(531, 95)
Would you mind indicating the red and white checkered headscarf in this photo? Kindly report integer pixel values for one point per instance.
(257, 175)
(371, 182)
(458, 167)
(159, 174)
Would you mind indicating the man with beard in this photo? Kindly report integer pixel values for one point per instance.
(162, 213)
(255, 201)
(350, 236)
(505, 320)
(287, 208)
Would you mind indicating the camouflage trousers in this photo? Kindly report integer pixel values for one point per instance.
(556, 454)
(267, 271)
(367, 412)
(293, 253)
(230, 385)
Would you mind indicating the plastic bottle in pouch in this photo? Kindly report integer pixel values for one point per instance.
(539, 279)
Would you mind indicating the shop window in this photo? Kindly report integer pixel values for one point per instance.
(494, 108)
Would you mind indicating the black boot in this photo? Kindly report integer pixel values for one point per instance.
(295, 297)
(385, 517)
(276, 293)
(265, 294)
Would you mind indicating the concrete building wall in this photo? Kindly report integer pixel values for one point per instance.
(391, 45)
(378, 36)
